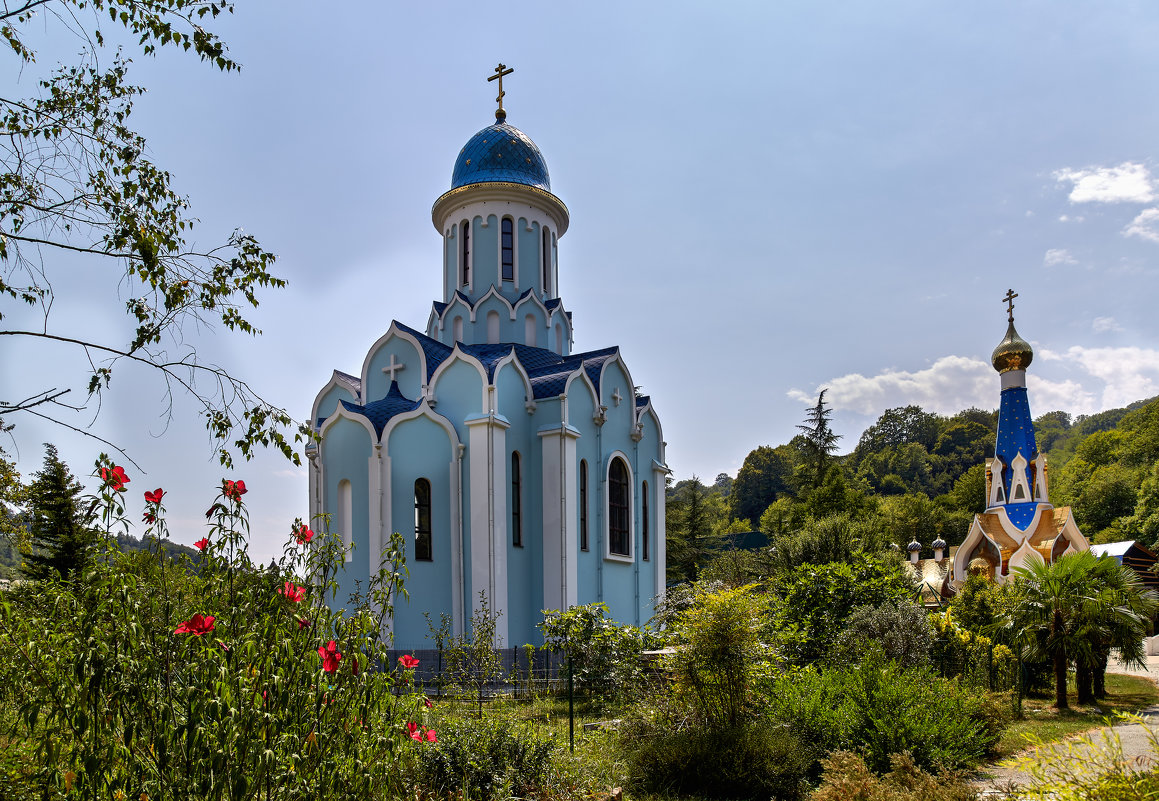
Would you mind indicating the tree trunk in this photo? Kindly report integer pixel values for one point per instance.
(1083, 678)
(1100, 678)
(1059, 665)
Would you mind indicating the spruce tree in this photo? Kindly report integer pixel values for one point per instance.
(61, 538)
(818, 442)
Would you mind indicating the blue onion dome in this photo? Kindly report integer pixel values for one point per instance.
(914, 546)
(938, 543)
(1012, 353)
(501, 153)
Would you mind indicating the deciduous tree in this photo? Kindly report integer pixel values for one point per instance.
(77, 188)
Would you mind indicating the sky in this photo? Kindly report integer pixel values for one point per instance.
(766, 199)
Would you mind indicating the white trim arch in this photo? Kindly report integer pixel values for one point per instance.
(511, 359)
(394, 331)
(492, 292)
(342, 414)
(334, 383)
(580, 374)
(458, 355)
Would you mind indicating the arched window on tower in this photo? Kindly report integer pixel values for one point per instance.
(529, 329)
(423, 520)
(583, 501)
(646, 533)
(465, 253)
(546, 262)
(457, 329)
(507, 237)
(619, 509)
(516, 501)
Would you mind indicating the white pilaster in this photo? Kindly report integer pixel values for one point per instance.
(560, 513)
(487, 438)
(659, 555)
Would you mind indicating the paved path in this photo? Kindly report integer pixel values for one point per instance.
(1135, 740)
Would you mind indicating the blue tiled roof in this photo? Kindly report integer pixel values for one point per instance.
(380, 411)
(642, 401)
(488, 355)
(434, 350)
(440, 307)
(501, 153)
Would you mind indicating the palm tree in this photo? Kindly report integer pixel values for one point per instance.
(1069, 610)
(1132, 607)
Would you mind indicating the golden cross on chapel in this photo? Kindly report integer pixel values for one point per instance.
(500, 71)
(1010, 296)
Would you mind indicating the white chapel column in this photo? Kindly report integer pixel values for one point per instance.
(487, 438)
(560, 511)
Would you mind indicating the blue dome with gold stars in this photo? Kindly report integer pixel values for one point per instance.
(501, 153)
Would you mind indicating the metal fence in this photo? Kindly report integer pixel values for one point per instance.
(522, 671)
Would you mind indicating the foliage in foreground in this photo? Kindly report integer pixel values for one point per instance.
(142, 680)
(848, 778)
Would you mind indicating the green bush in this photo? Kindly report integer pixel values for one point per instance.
(901, 628)
(484, 759)
(881, 709)
(604, 655)
(755, 760)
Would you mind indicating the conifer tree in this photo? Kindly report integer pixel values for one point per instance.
(60, 534)
(818, 442)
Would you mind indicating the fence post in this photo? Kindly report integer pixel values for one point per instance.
(570, 706)
(990, 666)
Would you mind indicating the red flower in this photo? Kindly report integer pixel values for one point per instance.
(233, 489)
(303, 534)
(149, 518)
(330, 656)
(155, 496)
(354, 665)
(201, 544)
(412, 729)
(302, 623)
(114, 477)
(428, 703)
(419, 735)
(431, 738)
(293, 592)
(408, 662)
(209, 512)
(196, 625)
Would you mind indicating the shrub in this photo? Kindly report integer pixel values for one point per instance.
(848, 778)
(754, 760)
(484, 759)
(881, 709)
(604, 655)
(900, 627)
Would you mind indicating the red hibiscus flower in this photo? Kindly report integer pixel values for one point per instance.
(155, 496)
(209, 512)
(303, 534)
(149, 518)
(302, 623)
(196, 625)
(428, 703)
(293, 592)
(233, 489)
(330, 656)
(431, 738)
(354, 665)
(201, 544)
(408, 662)
(114, 477)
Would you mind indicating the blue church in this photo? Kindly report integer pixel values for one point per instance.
(512, 465)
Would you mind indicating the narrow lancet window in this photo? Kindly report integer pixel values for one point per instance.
(546, 262)
(465, 253)
(619, 508)
(423, 520)
(516, 502)
(583, 500)
(644, 522)
(508, 246)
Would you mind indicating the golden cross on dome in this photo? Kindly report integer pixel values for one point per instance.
(1010, 296)
(500, 71)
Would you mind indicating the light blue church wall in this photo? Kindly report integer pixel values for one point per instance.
(524, 591)
(619, 577)
(345, 451)
(580, 410)
(410, 379)
(428, 455)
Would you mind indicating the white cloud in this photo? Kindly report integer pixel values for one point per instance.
(1145, 226)
(1101, 325)
(1107, 378)
(1128, 373)
(1130, 182)
(1056, 256)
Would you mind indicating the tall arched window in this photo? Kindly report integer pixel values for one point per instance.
(457, 329)
(583, 501)
(619, 508)
(646, 533)
(529, 329)
(423, 520)
(546, 261)
(507, 237)
(465, 253)
(516, 501)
